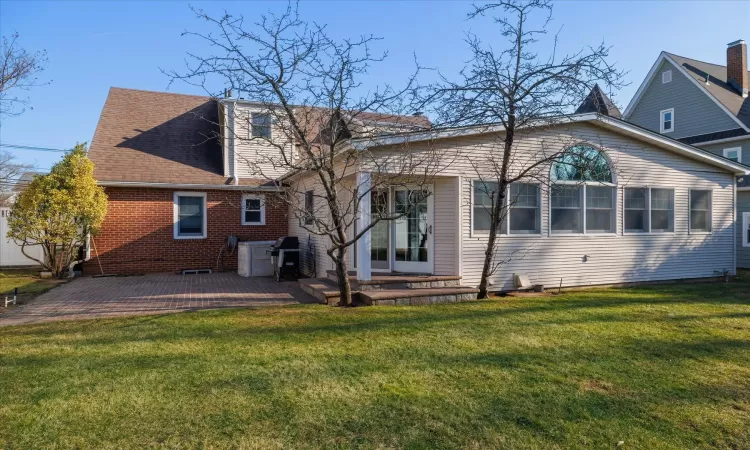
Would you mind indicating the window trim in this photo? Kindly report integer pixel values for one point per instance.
(745, 227)
(661, 120)
(668, 78)
(649, 209)
(710, 211)
(176, 214)
(584, 232)
(504, 231)
(252, 125)
(733, 149)
(262, 210)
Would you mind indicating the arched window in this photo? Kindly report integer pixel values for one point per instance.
(582, 199)
(582, 163)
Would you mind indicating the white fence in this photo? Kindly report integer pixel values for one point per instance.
(10, 253)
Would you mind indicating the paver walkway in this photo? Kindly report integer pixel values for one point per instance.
(86, 298)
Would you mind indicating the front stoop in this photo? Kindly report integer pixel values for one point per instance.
(393, 289)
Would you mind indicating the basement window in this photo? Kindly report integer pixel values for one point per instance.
(253, 209)
(190, 215)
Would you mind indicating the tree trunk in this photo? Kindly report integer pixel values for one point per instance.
(345, 288)
(490, 250)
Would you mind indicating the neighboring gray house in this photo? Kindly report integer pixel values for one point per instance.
(705, 105)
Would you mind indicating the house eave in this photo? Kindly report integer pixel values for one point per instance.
(220, 187)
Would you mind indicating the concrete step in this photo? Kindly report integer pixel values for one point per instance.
(422, 296)
(324, 290)
(399, 281)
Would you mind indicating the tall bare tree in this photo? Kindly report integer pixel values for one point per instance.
(516, 90)
(313, 119)
(19, 71)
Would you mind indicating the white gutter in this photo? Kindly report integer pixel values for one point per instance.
(223, 187)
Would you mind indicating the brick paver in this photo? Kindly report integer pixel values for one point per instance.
(86, 298)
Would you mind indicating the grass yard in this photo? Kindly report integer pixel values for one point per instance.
(656, 367)
(27, 282)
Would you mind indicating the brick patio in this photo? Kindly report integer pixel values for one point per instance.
(87, 298)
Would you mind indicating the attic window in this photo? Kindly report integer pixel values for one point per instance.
(666, 76)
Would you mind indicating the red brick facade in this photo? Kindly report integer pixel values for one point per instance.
(137, 235)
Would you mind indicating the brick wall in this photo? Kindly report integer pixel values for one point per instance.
(137, 233)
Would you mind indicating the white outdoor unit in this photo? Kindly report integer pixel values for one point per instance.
(253, 260)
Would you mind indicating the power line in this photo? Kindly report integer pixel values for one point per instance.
(34, 148)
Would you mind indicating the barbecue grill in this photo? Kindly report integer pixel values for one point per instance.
(285, 257)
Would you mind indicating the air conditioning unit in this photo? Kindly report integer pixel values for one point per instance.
(253, 261)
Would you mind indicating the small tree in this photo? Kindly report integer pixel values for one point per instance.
(58, 211)
(308, 86)
(517, 91)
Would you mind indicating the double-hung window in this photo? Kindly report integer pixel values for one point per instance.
(190, 215)
(666, 120)
(734, 153)
(700, 211)
(746, 229)
(524, 209)
(582, 198)
(253, 209)
(522, 213)
(649, 210)
(261, 126)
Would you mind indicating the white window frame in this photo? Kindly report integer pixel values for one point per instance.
(505, 230)
(176, 214)
(710, 211)
(252, 125)
(745, 227)
(262, 199)
(666, 76)
(649, 211)
(662, 113)
(733, 149)
(583, 185)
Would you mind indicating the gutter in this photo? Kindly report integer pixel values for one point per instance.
(218, 187)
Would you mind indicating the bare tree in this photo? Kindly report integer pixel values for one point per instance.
(312, 118)
(19, 71)
(515, 90)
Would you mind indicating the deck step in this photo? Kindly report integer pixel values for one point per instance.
(422, 296)
(399, 281)
(324, 290)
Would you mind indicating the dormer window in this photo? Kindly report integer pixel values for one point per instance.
(261, 126)
(666, 76)
(666, 120)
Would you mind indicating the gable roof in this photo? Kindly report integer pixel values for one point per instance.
(158, 137)
(717, 89)
(598, 102)
(619, 126)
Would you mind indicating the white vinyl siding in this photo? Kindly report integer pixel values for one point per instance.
(253, 153)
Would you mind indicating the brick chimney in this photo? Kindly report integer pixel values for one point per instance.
(737, 66)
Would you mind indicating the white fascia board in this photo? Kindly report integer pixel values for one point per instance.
(676, 146)
(220, 187)
(652, 73)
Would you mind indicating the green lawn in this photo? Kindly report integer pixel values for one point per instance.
(25, 280)
(656, 367)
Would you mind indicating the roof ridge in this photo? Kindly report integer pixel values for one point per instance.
(157, 92)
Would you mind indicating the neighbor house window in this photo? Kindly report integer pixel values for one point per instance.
(582, 198)
(666, 120)
(484, 193)
(189, 215)
(700, 210)
(261, 126)
(524, 209)
(636, 210)
(253, 209)
(309, 208)
(662, 210)
(666, 76)
(734, 153)
(746, 229)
